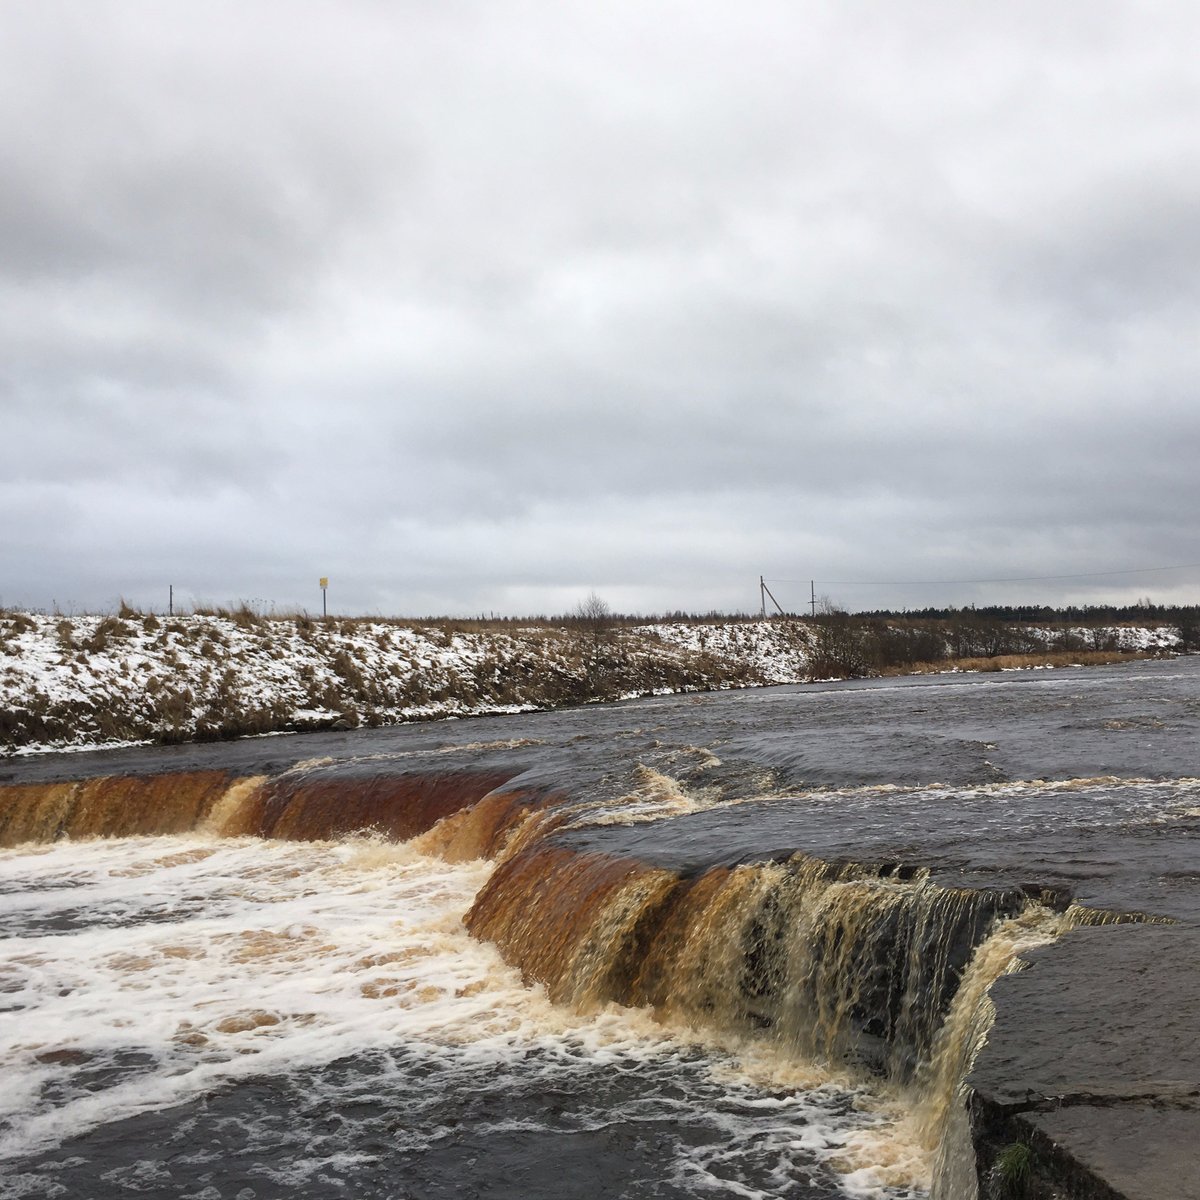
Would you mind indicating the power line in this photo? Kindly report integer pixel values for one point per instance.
(1008, 579)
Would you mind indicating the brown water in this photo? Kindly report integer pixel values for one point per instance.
(733, 945)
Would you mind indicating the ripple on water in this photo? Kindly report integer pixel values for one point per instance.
(248, 1018)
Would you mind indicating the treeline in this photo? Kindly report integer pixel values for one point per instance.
(584, 616)
(855, 646)
(1142, 613)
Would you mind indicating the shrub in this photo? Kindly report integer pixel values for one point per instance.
(840, 649)
(1189, 629)
(593, 617)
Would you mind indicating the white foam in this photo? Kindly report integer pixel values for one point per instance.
(181, 965)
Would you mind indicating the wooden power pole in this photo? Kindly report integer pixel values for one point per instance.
(765, 592)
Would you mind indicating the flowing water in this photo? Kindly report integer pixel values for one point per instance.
(199, 1017)
(734, 946)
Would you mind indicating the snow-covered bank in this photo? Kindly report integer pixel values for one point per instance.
(90, 680)
(71, 682)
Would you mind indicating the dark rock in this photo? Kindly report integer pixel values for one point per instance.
(1094, 1060)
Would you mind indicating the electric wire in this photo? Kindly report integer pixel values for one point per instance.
(1002, 579)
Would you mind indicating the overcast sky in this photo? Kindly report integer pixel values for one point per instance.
(478, 307)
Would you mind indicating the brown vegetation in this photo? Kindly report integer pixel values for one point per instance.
(1016, 662)
(232, 672)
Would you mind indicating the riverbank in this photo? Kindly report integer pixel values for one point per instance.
(856, 862)
(130, 677)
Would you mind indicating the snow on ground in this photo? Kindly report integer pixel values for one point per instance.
(1115, 637)
(776, 650)
(97, 679)
(94, 680)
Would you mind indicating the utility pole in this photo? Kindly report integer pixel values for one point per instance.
(767, 592)
(812, 590)
(762, 596)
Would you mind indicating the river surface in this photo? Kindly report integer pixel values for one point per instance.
(190, 1017)
(213, 1018)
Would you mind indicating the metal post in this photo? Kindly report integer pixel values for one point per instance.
(324, 581)
(171, 600)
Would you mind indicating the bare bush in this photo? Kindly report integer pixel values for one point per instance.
(841, 649)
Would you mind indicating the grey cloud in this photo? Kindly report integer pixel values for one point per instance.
(474, 307)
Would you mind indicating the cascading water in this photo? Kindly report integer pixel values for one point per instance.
(829, 962)
(109, 806)
(235, 959)
(940, 1115)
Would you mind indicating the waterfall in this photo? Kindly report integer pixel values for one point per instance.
(826, 961)
(863, 968)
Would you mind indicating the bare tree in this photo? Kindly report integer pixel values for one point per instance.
(593, 614)
(593, 619)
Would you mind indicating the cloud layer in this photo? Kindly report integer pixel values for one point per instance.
(477, 307)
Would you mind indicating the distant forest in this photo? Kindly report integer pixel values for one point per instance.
(1141, 613)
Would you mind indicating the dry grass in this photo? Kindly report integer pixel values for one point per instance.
(206, 684)
(1016, 662)
(17, 623)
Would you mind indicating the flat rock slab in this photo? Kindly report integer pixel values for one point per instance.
(1097, 1047)
(1142, 1152)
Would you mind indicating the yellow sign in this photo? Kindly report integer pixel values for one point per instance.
(324, 581)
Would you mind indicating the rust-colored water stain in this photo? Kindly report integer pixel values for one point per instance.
(64, 1057)
(671, 936)
(330, 804)
(121, 806)
(180, 859)
(233, 814)
(501, 825)
(131, 964)
(832, 961)
(300, 806)
(475, 832)
(606, 958)
(108, 806)
(248, 1021)
(539, 904)
(252, 944)
(528, 828)
(386, 989)
(34, 812)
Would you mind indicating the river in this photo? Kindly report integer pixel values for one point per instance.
(216, 1015)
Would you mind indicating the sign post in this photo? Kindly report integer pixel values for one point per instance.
(324, 585)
